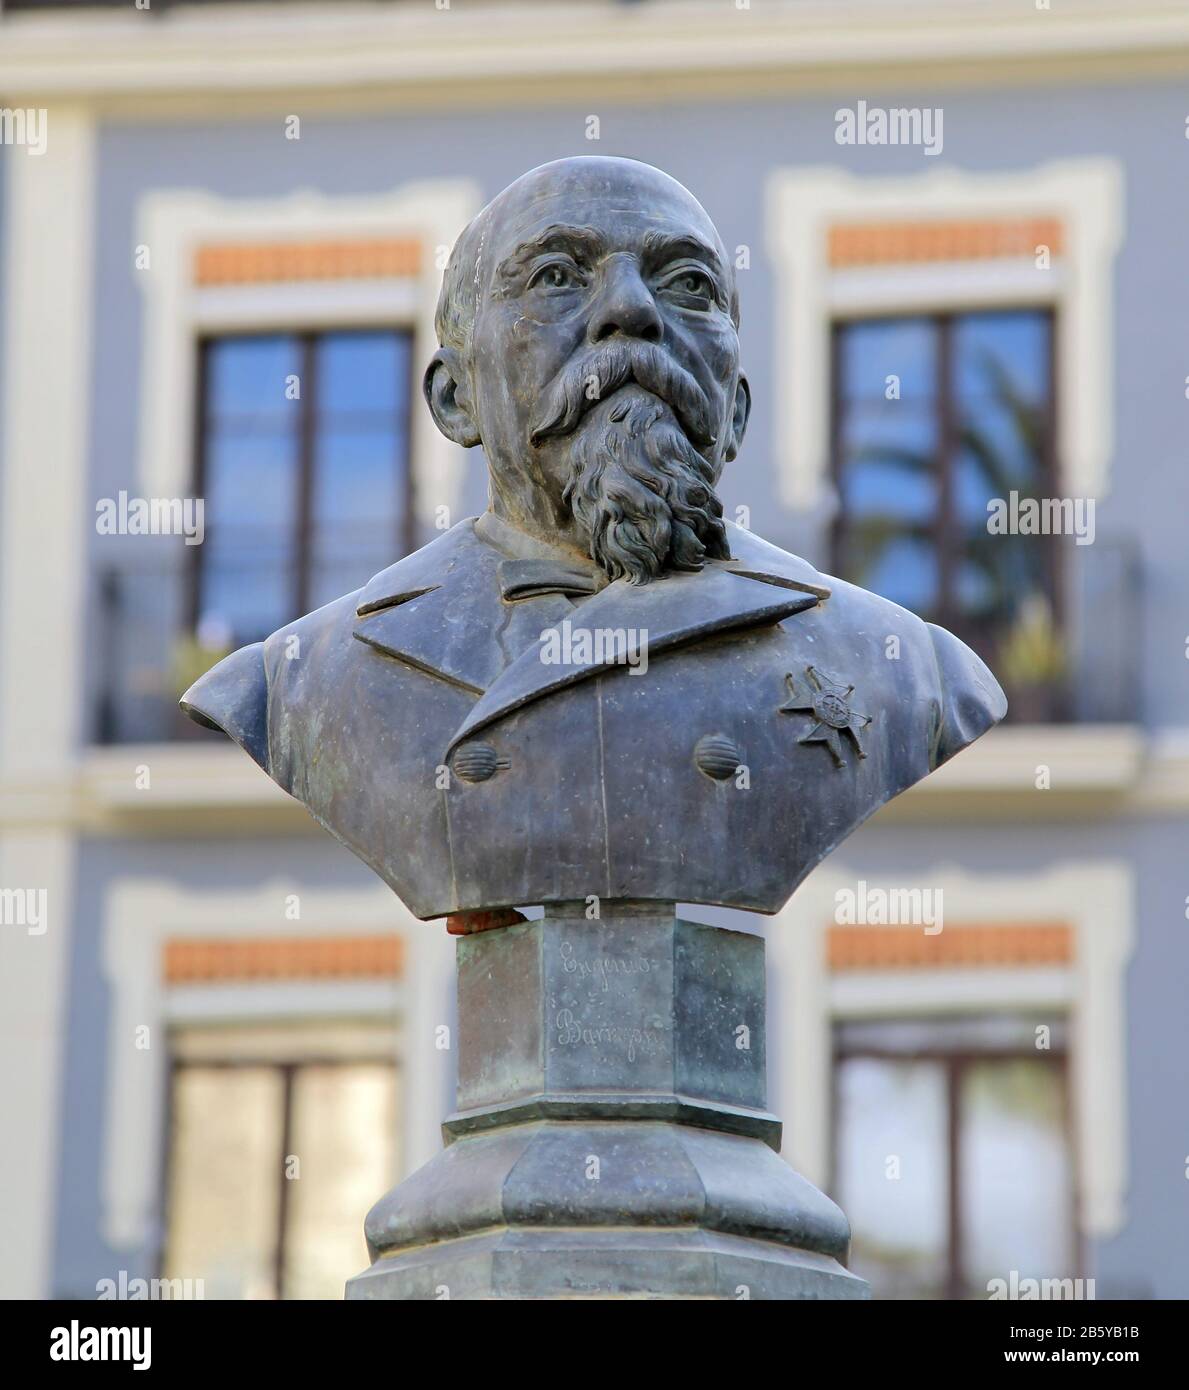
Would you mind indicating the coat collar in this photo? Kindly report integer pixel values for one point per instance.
(443, 610)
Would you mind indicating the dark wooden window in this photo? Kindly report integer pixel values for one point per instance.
(304, 465)
(953, 1155)
(968, 418)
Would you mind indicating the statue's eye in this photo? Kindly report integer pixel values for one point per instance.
(696, 283)
(692, 287)
(556, 275)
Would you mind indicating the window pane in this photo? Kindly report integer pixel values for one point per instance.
(361, 480)
(354, 412)
(891, 1167)
(888, 475)
(344, 1133)
(245, 381)
(245, 597)
(1016, 1173)
(247, 556)
(874, 349)
(1002, 390)
(358, 486)
(913, 511)
(1003, 353)
(360, 373)
(359, 504)
(225, 1157)
(250, 486)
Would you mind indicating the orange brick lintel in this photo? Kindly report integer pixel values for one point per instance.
(279, 262)
(985, 945)
(942, 239)
(210, 960)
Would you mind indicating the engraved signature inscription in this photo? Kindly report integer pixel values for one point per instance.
(571, 1033)
(603, 968)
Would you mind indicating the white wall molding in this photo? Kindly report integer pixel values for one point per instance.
(490, 51)
(1097, 771)
(172, 223)
(1095, 897)
(47, 300)
(141, 914)
(801, 205)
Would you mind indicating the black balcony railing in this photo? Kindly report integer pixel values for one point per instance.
(1078, 661)
(160, 628)
(1080, 664)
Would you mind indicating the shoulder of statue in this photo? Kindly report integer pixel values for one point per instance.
(248, 692)
(967, 698)
(233, 698)
(972, 700)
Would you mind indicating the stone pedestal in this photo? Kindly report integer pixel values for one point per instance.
(611, 1137)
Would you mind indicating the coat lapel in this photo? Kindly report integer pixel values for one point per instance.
(666, 613)
(441, 610)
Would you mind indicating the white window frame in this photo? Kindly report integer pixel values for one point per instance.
(1095, 897)
(173, 223)
(140, 915)
(803, 203)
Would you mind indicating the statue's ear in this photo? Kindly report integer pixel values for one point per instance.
(445, 393)
(740, 414)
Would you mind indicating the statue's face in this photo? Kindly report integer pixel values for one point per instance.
(603, 367)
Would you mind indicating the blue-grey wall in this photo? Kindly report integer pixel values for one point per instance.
(724, 153)
(82, 1257)
(1150, 1258)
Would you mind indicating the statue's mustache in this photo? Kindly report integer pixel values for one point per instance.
(608, 367)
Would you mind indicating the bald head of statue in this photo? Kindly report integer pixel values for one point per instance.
(588, 331)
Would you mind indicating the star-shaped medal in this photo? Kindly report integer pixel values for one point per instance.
(827, 700)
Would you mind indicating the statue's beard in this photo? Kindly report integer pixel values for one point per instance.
(641, 494)
(637, 486)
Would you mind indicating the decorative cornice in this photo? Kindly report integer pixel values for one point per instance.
(916, 241)
(276, 262)
(978, 945)
(659, 50)
(220, 959)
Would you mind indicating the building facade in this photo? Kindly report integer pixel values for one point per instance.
(956, 232)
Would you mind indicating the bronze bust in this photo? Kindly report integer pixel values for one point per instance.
(599, 688)
(600, 698)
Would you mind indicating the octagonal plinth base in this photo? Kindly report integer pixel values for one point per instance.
(612, 1138)
(620, 1263)
(571, 1209)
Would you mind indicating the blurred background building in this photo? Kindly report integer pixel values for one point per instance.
(224, 1038)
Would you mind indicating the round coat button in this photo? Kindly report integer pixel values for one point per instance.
(476, 762)
(717, 756)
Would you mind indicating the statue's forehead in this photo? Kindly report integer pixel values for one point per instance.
(622, 212)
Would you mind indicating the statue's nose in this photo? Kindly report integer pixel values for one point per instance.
(625, 305)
